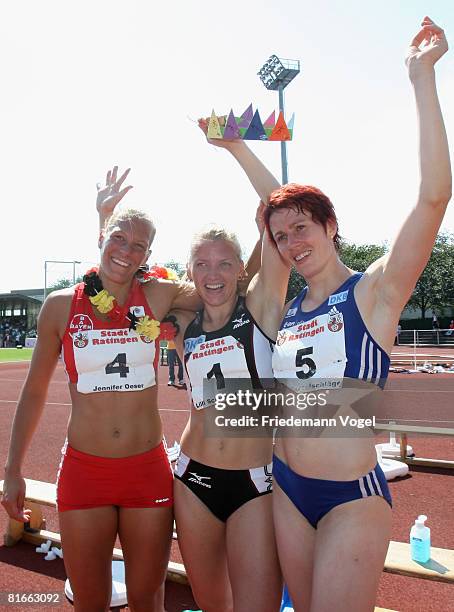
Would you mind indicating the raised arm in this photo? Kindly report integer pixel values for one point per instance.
(260, 177)
(111, 194)
(398, 271)
(254, 261)
(269, 273)
(30, 407)
(165, 295)
(267, 291)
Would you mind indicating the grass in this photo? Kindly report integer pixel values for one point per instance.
(14, 354)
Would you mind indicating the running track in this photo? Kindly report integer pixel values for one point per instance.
(411, 398)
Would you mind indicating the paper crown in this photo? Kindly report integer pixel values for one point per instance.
(250, 127)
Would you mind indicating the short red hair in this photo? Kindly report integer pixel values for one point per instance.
(305, 199)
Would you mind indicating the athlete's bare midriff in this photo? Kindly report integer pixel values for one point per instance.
(232, 453)
(110, 424)
(330, 459)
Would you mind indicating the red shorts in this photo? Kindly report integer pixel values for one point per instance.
(88, 481)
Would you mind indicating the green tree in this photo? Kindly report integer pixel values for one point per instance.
(62, 283)
(360, 257)
(435, 287)
(295, 284)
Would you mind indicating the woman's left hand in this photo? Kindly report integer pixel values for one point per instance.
(426, 48)
(219, 142)
(111, 194)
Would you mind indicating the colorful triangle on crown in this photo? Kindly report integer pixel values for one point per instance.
(249, 126)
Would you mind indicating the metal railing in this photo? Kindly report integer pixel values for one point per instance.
(426, 337)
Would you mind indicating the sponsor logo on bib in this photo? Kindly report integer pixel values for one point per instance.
(335, 320)
(215, 347)
(80, 323)
(146, 339)
(80, 340)
(300, 331)
(191, 343)
(338, 298)
(281, 338)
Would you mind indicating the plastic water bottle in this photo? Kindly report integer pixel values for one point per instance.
(420, 540)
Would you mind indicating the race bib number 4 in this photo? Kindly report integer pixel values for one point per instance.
(113, 360)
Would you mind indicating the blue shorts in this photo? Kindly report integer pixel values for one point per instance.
(315, 497)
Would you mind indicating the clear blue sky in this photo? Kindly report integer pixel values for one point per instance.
(100, 82)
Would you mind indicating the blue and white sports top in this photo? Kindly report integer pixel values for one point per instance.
(330, 342)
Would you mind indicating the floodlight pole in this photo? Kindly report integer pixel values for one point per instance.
(74, 271)
(45, 281)
(276, 74)
(283, 142)
(73, 262)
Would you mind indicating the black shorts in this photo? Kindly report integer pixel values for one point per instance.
(223, 491)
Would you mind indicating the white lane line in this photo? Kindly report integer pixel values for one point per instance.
(46, 404)
(387, 421)
(387, 390)
(417, 391)
(2, 401)
(21, 380)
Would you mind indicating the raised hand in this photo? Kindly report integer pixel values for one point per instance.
(426, 48)
(111, 194)
(219, 142)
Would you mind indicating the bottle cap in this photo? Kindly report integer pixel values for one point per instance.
(422, 518)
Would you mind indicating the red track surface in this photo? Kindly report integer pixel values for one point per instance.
(423, 397)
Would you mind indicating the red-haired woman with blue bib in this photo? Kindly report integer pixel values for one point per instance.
(331, 504)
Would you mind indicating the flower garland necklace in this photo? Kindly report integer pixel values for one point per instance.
(107, 304)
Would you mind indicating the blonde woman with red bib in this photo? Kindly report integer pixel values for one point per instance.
(115, 474)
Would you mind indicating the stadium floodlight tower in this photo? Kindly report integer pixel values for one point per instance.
(276, 74)
(73, 262)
